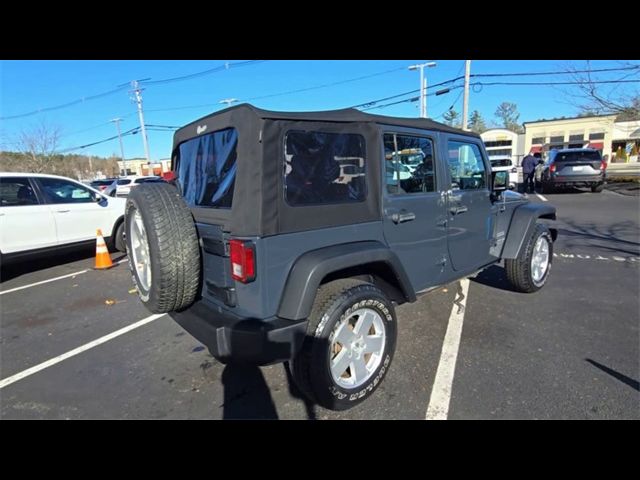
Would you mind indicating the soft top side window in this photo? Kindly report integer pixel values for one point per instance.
(324, 168)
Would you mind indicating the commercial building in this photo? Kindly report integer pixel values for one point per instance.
(579, 132)
(601, 132)
(140, 166)
(501, 142)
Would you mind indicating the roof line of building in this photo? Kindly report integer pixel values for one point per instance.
(569, 118)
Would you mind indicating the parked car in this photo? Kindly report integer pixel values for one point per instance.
(40, 213)
(499, 164)
(102, 184)
(122, 186)
(574, 167)
(287, 265)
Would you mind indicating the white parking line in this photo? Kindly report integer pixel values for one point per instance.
(30, 371)
(438, 408)
(45, 281)
(541, 197)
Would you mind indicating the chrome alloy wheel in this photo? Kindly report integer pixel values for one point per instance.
(540, 260)
(140, 250)
(357, 345)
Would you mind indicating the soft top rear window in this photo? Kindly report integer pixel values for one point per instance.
(206, 169)
(578, 156)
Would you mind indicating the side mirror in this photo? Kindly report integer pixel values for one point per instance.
(98, 198)
(499, 181)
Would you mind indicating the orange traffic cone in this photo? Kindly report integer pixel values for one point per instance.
(103, 259)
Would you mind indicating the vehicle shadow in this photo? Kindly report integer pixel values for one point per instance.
(612, 237)
(248, 397)
(495, 277)
(566, 190)
(16, 268)
(246, 394)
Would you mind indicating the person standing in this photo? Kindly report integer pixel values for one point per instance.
(528, 171)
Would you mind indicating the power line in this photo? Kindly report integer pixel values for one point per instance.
(64, 105)
(452, 105)
(225, 66)
(373, 102)
(481, 75)
(412, 99)
(521, 74)
(482, 84)
(132, 131)
(288, 92)
(488, 84)
(326, 85)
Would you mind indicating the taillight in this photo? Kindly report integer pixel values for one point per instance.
(552, 168)
(603, 165)
(243, 261)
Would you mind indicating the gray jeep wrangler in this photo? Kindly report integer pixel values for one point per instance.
(291, 237)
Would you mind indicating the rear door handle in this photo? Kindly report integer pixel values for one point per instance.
(63, 211)
(403, 217)
(458, 210)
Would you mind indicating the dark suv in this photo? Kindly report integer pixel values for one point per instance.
(285, 238)
(574, 167)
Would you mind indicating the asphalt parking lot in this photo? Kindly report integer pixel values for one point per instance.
(570, 351)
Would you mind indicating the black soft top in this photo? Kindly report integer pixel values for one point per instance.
(258, 202)
(347, 115)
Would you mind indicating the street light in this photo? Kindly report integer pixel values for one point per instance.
(423, 86)
(228, 101)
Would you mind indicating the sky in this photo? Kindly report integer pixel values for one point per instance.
(27, 86)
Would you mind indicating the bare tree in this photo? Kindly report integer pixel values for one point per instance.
(39, 145)
(507, 112)
(593, 98)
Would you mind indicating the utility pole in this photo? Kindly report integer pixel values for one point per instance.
(138, 99)
(124, 162)
(465, 102)
(424, 89)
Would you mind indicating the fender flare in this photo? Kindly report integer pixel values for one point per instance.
(309, 270)
(522, 224)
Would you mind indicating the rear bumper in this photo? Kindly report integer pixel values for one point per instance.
(576, 179)
(235, 339)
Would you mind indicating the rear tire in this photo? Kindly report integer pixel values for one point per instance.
(525, 272)
(162, 245)
(338, 309)
(597, 188)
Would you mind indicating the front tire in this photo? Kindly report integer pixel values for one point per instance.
(529, 272)
(351, 338)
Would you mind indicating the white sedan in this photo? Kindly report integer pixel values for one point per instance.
(41, 212)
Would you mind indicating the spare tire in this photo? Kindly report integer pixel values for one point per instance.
(162, 245)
